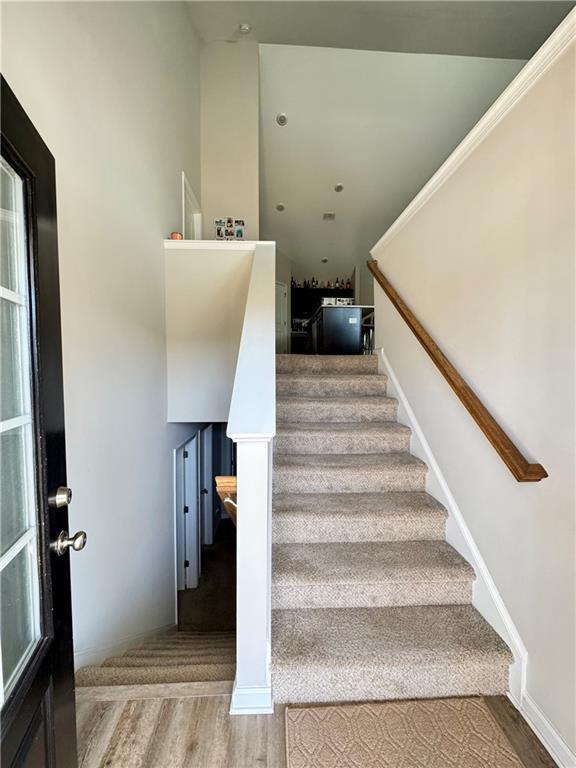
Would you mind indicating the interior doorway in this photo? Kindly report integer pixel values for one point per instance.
(281, 318)
(205, 536)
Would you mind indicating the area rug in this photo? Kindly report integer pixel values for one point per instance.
(434, 733)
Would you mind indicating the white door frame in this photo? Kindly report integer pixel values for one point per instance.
(186, 525)
(282, 332)
(206, 486)
(192, 523)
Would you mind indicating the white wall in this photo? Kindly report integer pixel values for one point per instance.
(487, 264)
(230, 135)
(206, 289)
(379, 123)
(113, 89)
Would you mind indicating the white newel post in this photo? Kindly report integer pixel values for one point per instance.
(252, 692)
(252, 426)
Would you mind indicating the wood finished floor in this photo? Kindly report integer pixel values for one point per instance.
(199, 733)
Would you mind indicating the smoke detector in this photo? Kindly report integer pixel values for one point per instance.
(281, 119)
(329, 216)
(339, 187)
(280, 207)
(324, 261)
(245, 29)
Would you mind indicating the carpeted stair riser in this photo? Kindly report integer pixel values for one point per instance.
(324, 517)
(162, 643)
(184, 651)
(348, 474)
(388, 437)
(346, 575)
(338, 410)
(93, 676)
(330, 385)
(361, 654)
(322, 364)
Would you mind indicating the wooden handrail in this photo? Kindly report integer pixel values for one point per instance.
(226, 489)
(521, 468)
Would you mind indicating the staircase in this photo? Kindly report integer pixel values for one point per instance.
(176, 657)
(369, 601)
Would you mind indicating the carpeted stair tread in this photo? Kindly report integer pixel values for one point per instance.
(355, 654)
(323, 437)
(155, 660)
(326, 517)
(367, 364)
(174, 657)
(330, 384)
(348, 473)
(336, 409)
(182, 673)
(364, 574)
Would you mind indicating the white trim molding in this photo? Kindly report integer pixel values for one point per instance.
(255, 700)
(545, 731)
(486, 598)
(529, 75)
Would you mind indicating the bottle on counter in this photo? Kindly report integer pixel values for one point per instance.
(348, 284)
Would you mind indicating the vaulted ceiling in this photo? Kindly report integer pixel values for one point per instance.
(376, 96)
(506, 29)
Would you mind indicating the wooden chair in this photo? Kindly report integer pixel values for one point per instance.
(226, 489)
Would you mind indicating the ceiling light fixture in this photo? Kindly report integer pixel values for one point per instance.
(281, 119)
(245, 29)
(280, 207)
(339, 187)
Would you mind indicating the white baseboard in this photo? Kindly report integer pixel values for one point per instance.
(97, 654)
(486, 598)
(545, 731)
(254, 700)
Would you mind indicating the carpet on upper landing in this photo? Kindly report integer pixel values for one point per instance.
(426, 733)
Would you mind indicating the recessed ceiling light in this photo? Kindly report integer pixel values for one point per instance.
(281, 118)
(280, 207)
(245, 29)
(339, 187)
(324, 261)
(329, 216)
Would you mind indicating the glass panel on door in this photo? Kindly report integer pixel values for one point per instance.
(19, 575)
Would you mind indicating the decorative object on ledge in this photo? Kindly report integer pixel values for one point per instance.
(521, 468)
(229, 228)
(176, 236)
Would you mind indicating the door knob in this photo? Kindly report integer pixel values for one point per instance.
(61, 497)
(64, 542)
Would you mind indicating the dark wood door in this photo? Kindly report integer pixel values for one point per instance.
(36, 672)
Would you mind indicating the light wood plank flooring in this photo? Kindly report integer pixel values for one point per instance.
(197, 732)
(177, 733)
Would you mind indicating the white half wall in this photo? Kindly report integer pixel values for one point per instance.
(206, 288)
(485, 259)
(113, 88)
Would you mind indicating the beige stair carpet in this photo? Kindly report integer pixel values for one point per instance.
(438, 733)
(177, 657)
(369, 600)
